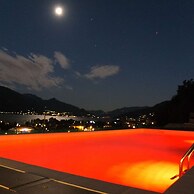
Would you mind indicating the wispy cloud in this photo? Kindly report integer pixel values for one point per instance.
(102, 72)
(62, 60)
(35, 71)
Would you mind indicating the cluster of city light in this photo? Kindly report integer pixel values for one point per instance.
(19, 130)
(83, 128)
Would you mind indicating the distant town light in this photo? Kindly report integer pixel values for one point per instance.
(19, 130)
(24, 130)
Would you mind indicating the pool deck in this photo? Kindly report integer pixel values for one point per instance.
(21, 178)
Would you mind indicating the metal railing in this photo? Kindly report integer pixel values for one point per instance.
(187, 156)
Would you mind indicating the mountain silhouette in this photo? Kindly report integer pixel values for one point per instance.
(175, 110)
(12, 101)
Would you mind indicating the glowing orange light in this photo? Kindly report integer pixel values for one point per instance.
(152, 175)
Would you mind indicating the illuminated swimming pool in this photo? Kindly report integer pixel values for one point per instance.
(141, 158)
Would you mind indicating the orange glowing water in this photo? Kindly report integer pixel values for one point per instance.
(141, 158)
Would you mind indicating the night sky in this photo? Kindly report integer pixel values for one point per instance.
(100, 54)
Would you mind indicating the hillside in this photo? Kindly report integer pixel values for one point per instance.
(126, 110)
(176, 110)
(12, 101)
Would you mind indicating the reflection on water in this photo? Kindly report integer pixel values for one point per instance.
(24, 118)
(150, 174)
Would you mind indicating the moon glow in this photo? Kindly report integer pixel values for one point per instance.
(59, 11)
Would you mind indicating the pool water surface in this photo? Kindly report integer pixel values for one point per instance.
(140, 158)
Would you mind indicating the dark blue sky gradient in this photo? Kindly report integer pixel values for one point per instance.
(149, 46)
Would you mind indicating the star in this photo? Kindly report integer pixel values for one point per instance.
(91, 19)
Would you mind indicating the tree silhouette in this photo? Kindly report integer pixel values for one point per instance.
(177, 110)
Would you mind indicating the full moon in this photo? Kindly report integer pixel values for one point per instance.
(59, 11)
